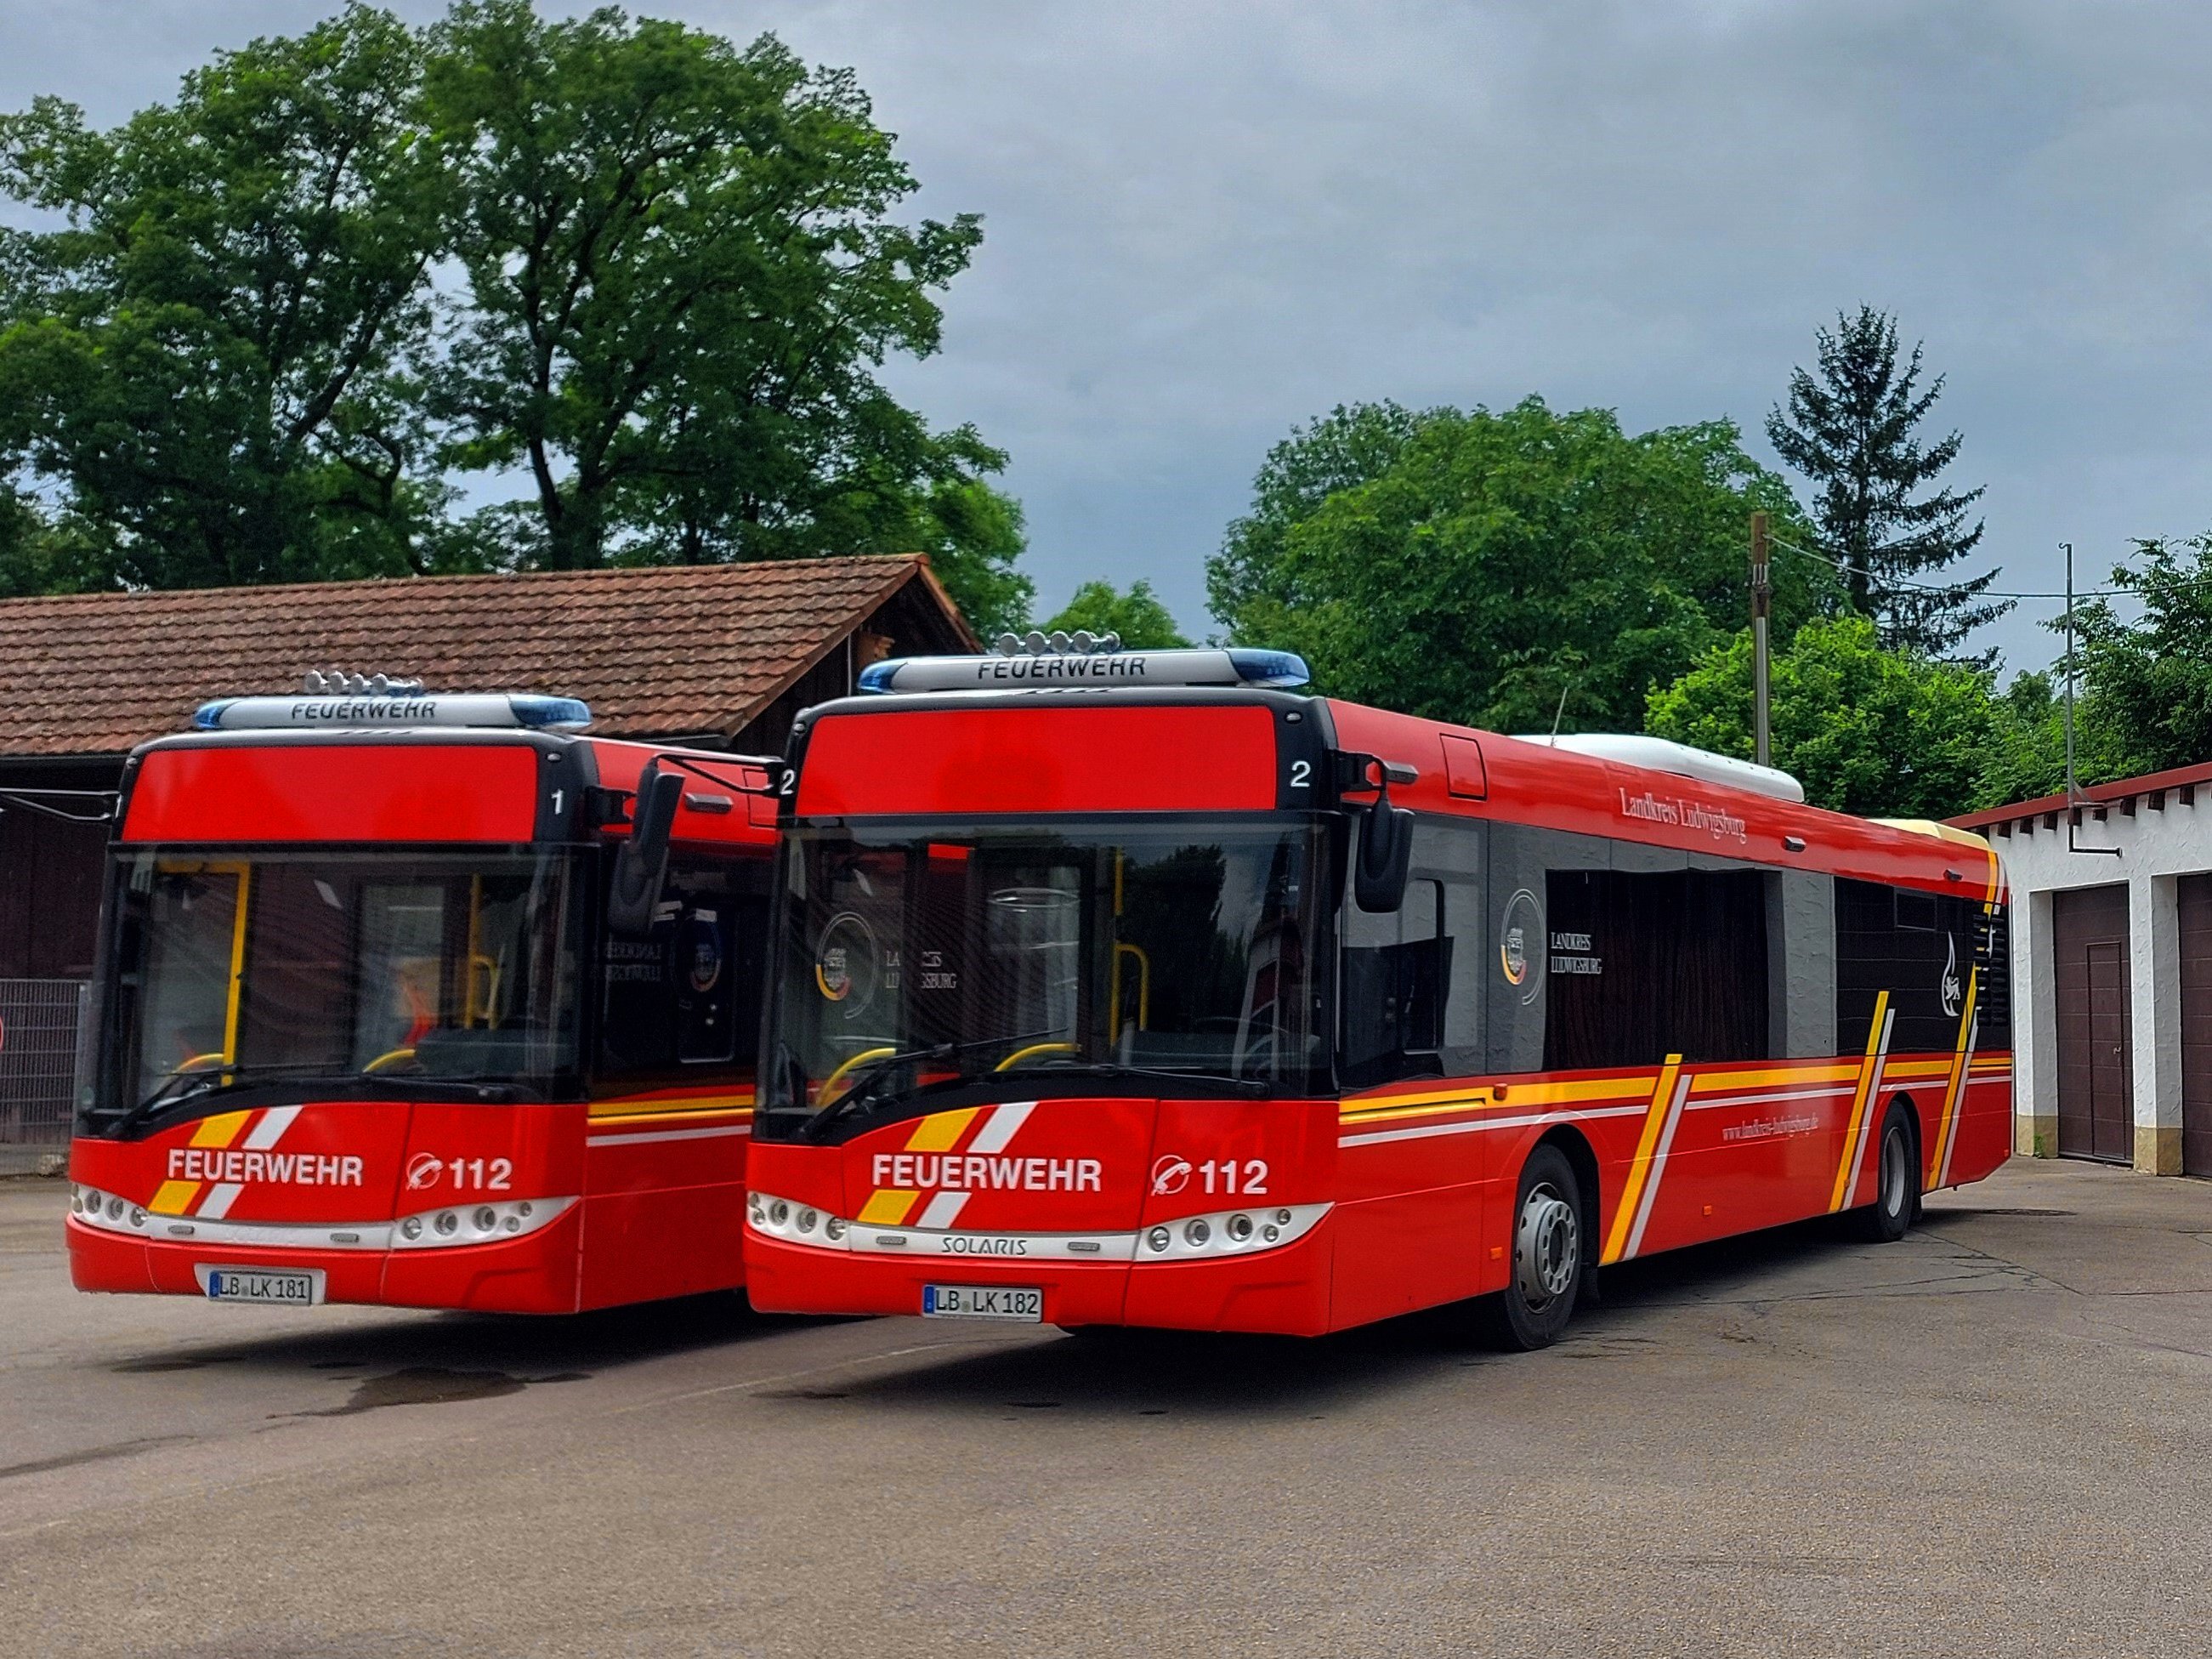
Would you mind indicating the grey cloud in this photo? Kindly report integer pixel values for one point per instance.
(1208, 222)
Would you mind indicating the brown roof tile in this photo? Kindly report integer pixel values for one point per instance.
(654, 651)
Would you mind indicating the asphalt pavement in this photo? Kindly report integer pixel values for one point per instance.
(1990, 1439)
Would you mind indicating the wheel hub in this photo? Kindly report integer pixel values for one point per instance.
(1547, 1247)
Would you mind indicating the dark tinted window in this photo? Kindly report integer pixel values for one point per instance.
(1643, 964)
(689, 996)
(1397, 973)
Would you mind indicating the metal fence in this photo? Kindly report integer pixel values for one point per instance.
(40, 1022)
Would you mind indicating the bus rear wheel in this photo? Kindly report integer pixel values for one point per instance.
(1897, 1189)
(1539, 1298)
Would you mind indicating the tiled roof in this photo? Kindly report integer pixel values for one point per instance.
(658, 651)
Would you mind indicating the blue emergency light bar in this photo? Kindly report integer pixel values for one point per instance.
(404, 707)
(1235, 665)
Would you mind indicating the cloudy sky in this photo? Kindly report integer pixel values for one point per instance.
(1208, 222)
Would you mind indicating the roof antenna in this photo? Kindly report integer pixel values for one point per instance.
(1559, 713)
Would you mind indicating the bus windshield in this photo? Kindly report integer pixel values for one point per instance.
(913, 957)
(331, 965)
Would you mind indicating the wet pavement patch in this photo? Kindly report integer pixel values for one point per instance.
(424, 1385)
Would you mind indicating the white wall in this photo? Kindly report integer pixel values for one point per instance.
(2154, 848)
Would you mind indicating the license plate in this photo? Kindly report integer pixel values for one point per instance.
(269, 1287)
(982, 1302)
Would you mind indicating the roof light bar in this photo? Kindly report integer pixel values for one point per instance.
(1059, 660)
(336, 700)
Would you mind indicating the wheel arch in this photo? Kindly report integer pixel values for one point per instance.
(1576, 1149)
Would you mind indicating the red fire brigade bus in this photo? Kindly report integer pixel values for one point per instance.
(1125, 987)
(423, 1000)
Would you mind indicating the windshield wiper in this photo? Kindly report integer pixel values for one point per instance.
(1113, 1068)
(862, 1087)
(215, 1080)
(222, 1079)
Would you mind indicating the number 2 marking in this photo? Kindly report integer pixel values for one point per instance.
(790, 780)
(1301, 774)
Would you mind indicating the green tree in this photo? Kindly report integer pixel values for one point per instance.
(1351, 445)
(1850, 431)
(2146, 701)
(1477, 566)
(1138, 615)
(682, 274)
(206, 355)
(1866, 729)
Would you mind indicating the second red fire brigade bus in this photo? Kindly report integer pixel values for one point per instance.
(426, 1000)
(1135, 988)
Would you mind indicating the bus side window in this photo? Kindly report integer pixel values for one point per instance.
(1396, 971)
(686, 997)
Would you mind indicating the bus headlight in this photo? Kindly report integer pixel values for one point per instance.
(1229, 1233)
(509, 1219)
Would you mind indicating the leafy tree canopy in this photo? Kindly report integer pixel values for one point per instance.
(207, 355)
(649, 273)
(1138, 615)
(1866, 729)
(1476, 566)
(2146, 685)
(1849, 429)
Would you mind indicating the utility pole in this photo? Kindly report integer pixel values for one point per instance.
(1762, 604)
(2071, 785)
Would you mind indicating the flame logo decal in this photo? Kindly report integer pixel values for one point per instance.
(1953, 995)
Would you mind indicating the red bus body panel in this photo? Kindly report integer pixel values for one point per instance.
(1419, 1178)
(1058, 759)
(358, 792)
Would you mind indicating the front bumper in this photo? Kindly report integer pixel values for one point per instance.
(1283, 1292)
(536, 1273)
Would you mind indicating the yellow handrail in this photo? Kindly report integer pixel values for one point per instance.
(1021, 1054)
(821, 1095)
(389, 1057)
(1114, 991)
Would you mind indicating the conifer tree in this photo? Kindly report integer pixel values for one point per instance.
(1849, 429)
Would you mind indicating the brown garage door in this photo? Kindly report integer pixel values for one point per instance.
(2096, 1063)
(2194, 897)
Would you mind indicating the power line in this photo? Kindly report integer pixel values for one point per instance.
(1930, 587)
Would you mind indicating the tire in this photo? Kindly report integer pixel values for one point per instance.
(1548, 1269)
(1897, 1186)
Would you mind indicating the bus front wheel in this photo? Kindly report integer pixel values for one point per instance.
(1539, 1298)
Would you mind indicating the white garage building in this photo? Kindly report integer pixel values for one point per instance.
(2112, 955)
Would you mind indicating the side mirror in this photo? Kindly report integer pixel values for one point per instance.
(1382, 855)
(643, 860)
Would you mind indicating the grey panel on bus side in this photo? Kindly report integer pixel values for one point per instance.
(1800, 933)
(1520, 857)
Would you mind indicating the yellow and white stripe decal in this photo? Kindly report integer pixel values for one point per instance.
(176, 1197)
(1659, 1115)
(941, 1131)
(1870, 1070)
(1970, 1021)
